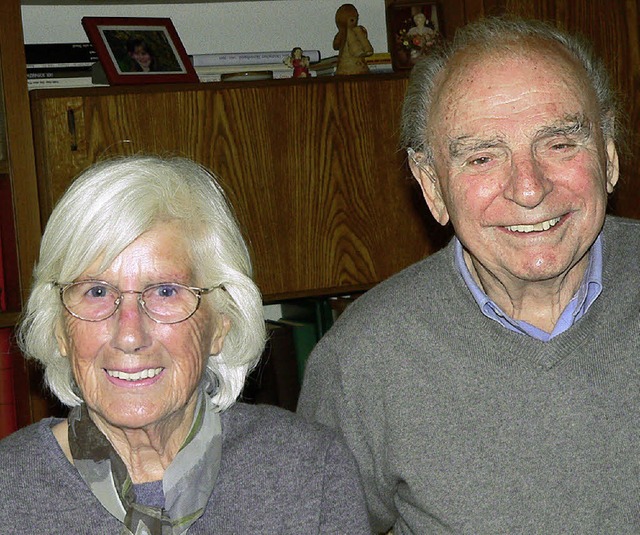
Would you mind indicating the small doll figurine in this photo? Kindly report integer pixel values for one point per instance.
(422, 36)
(298, 62)
(351, 41)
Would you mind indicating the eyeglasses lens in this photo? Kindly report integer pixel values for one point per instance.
(164, 303)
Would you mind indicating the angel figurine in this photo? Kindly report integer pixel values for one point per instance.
(298, 62)
(351, 41)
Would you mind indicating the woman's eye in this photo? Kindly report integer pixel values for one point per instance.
(98, 291)
(167, 291)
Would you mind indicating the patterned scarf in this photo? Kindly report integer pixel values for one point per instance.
(187, 483)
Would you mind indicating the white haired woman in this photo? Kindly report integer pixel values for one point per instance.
(146, 320)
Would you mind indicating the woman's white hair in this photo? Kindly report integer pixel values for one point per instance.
(106, 208)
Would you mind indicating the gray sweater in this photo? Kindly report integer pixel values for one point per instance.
(460, 425)
(278, 475)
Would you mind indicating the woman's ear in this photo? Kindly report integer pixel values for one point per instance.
(61, 339)
(222, 329)
(427, 177)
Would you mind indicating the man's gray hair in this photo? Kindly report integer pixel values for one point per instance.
(487, 35)
(106, 208)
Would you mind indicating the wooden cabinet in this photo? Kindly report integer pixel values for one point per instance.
(312, 167)
(19, 222)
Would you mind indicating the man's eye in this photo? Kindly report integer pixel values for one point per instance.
(562, 146)
(481, 160)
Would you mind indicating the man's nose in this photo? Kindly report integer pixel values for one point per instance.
(528, 184)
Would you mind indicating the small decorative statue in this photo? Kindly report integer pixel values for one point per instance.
(416, 36)
(298, 62)
(422, 35)
(351, 41)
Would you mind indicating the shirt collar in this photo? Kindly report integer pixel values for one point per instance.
(590, 288)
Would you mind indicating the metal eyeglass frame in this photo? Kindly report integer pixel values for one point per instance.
(198, 292)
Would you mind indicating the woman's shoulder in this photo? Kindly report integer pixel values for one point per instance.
(248, 420)
(270, 430)
(298, 477)
(25, 441)
(32, 449)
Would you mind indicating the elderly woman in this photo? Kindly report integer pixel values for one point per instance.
(146, 320)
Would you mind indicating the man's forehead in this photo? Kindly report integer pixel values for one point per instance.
(509, 77)
(542, 56)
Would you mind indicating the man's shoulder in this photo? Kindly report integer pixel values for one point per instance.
(613, 223)
(621, 241)
(427, 277)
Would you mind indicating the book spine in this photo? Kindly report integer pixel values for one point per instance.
(225, 69)
(3, 298)
(61, 65)
(44, 74)
(60, 82)
(250, 58)
(277, 75)
(8, 419)
(60, 53)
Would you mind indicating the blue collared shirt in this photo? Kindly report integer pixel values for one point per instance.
(587, 293)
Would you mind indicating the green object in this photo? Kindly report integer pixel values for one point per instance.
(313, 309)
(304, 340)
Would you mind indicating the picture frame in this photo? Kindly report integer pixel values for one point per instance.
(413, 27)
(139, 50)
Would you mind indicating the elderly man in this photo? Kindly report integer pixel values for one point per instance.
(494, 387)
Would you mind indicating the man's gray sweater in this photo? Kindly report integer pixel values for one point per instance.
(460, 425)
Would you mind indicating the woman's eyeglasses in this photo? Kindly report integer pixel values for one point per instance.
(166, 302)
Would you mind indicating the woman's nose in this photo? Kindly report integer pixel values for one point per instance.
(130, 325)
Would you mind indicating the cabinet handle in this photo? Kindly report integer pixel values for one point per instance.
(71, 123)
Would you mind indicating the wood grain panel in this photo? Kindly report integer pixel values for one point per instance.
(614, 30)
(311, 168)
(31, 403)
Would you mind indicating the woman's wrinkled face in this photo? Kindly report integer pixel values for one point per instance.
(132, 372)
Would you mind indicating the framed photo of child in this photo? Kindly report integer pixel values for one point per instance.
(139, 50)
(412, 29)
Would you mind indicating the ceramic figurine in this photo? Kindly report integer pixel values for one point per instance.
(298, 62)
(351, 41)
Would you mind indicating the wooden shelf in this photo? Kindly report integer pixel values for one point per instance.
(4, 167)
(119, 2)
(311, 167)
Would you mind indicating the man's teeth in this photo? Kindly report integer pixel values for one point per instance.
(538, 227)
(144, 374)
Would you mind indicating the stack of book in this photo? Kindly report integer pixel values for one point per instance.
(309, 319)
(380, 62)
(59, 64)
(245, 65)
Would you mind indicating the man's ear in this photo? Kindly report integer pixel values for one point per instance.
(426, 176)
(613, 165)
